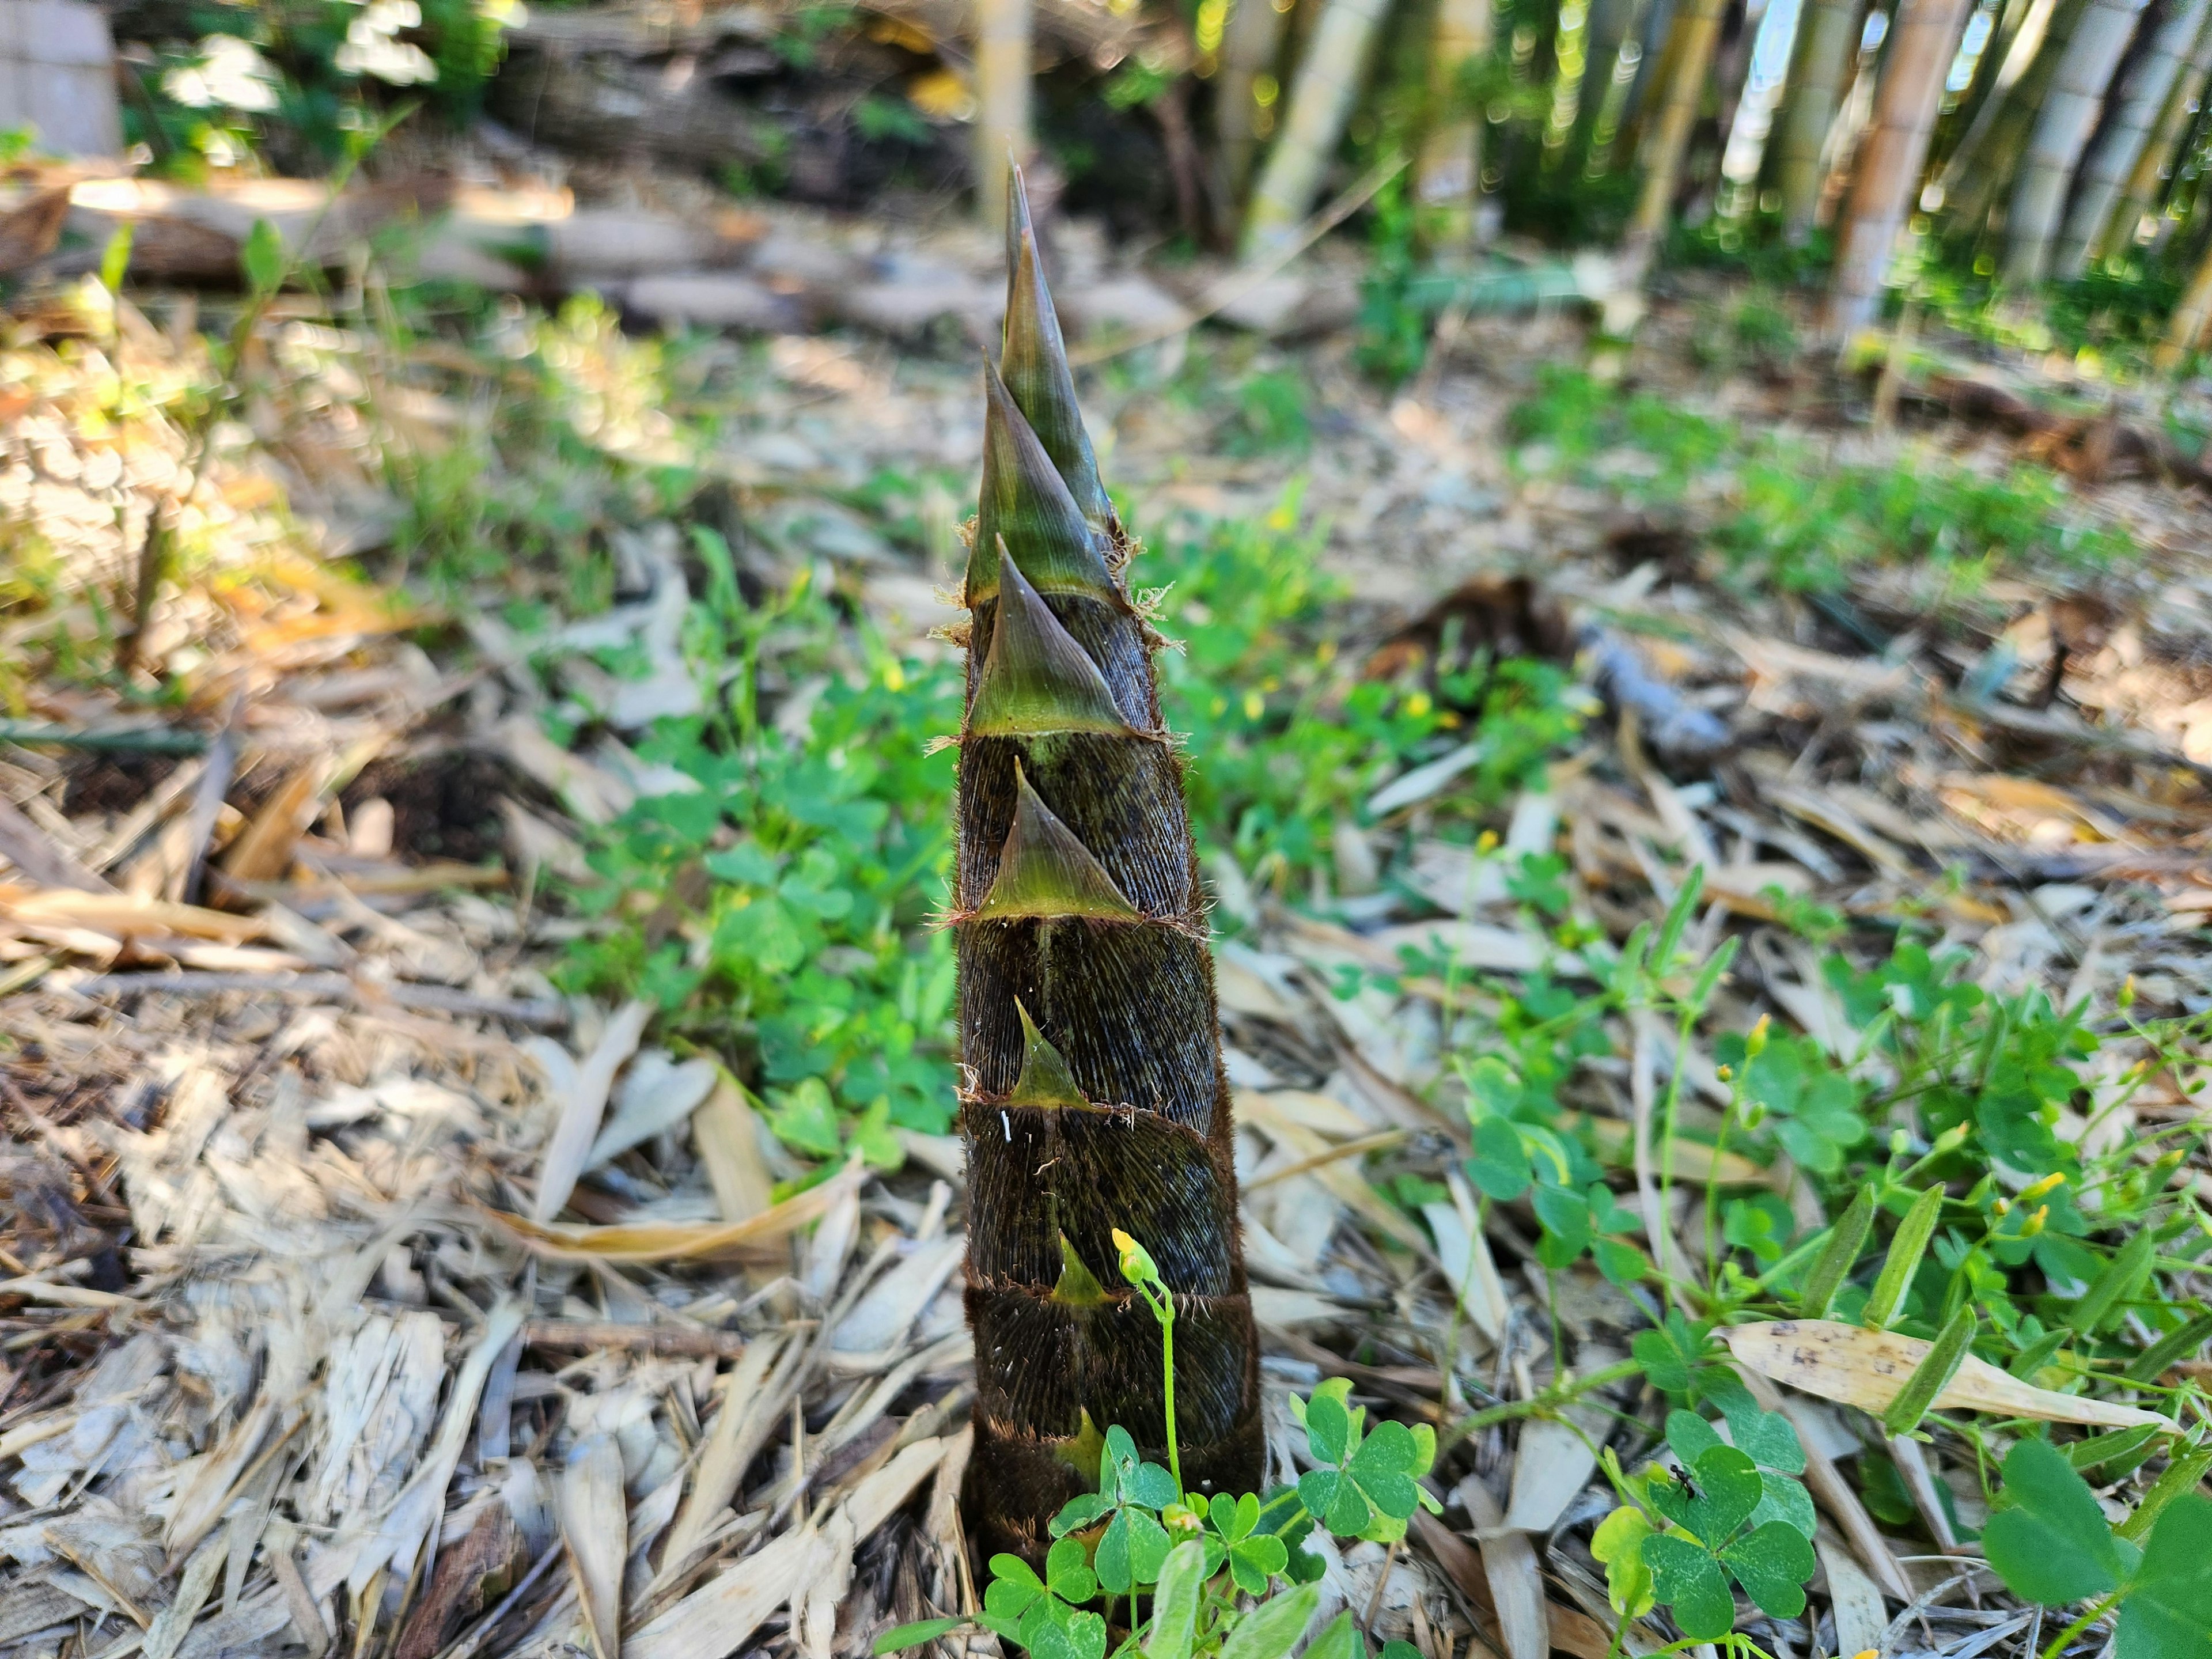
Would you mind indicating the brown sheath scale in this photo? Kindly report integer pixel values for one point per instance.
(1095, 1098)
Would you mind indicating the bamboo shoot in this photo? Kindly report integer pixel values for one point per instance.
(1095, 1104)
(1887, 181)
(1825, 50)
(1321, 101)
(2062, 131)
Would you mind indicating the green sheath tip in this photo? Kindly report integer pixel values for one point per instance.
(1026, 502)
(1079, 1288)
(1034, 362)
(1045, 871)
(1045, 1079)
(1036, 678)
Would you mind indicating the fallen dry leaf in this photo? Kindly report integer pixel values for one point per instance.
(1867, 1368)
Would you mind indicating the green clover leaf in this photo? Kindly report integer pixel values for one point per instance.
(2169, 1605)
(1067, 1572)
(1772, 1562)
(2046, 1537)
(1132, 1552)
(1721, 1490)
(1619, 1543)
(1690, 1580)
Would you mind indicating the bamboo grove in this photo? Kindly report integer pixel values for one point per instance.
(2016, 142)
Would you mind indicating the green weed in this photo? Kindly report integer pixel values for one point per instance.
(1782, 512)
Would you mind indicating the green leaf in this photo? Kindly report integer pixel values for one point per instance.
(2169, 1606)
(1934, 1372)
(2046, 1537)
(1907, 1247)
(1266, 1555)
(115, 258)
(2181, 1344)
(1317, 1491)
(1838, 1257)
(1500, 1165)
(1492, 1088)
(1380, 1465)
(1689, 1580)
(1722, 1489)
(1234, 1517)
(1690, 1436)
(1782, 1499)
(1174, 1603)
(1131, 1553)
(1081, 1511)
(1768, 1437)
(2122, 1279)
(1328, 1429)
(1338, 1639)
(1772, 1562)
(1014, 1588)
(900, 1637)
(1068, 1574)
(261, 258)
(804, 1119)
(1619, 1543)
(1669, 1353)
(1271, 1630)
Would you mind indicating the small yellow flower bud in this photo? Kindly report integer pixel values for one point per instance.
(2050, 1182)
(1725, 1074)
(2003, 1207)
(1755, 1044)
(2033, 1225)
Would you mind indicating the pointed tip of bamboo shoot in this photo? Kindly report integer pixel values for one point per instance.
(1045, 1079)
(1082, 1451)
(1078, 1286)
(1025, 500)
(1018, 221)
(1033, 358)
(1037, 679)
(1045, 871)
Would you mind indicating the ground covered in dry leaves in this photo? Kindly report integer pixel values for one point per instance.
(367, 1293)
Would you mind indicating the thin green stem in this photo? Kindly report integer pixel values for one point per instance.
(1165, 1309)
(1550, 1399)
(2060, 1641)
(1667, 1113)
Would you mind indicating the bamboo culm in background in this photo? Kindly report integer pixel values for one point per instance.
(1827, 46)
(2139, 198)
(1887, 179)
(1982, 163)
(1095, 1096)
(1451, 153)
(1004, 49)
(2062, 131)
(1319, 104)
(2111, 158)
(1250, 43)
(1689, 56)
